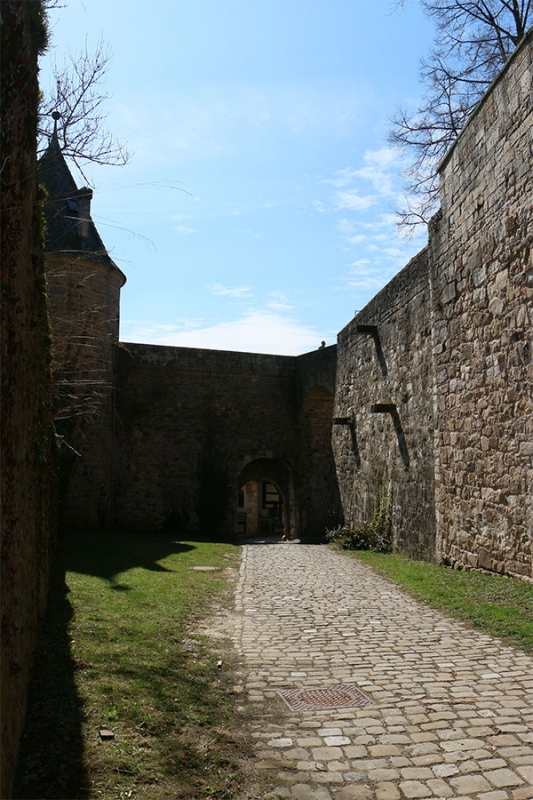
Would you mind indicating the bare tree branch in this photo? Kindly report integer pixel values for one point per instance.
(473, 40)
(78, 98)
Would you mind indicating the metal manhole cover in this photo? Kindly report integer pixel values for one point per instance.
(329, 697)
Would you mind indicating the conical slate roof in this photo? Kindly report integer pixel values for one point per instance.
(69, 226)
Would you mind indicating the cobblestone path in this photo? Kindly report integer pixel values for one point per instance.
(451, 712)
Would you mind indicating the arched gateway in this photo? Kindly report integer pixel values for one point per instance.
(266, 499)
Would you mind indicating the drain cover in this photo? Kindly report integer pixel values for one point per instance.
(329, 697)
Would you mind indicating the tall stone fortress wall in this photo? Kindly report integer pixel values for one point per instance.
(383, 437)
(482, 287)
(435, 376)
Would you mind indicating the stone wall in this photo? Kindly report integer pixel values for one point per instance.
(383, 431)
(483, 321)
(84, 303)
(27, 431)
(445, 352)
(319, 489)
(191, 423)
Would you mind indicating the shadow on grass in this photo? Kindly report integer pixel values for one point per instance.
(50, 763)
(83, 553)
(51, 760)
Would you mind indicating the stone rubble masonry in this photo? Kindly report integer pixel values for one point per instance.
(392, 367)
(482, 332)
(27, 432)
(84, 307)
(189, 421)
(452, 352)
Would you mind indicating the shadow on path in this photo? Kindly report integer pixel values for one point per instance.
(50, 763)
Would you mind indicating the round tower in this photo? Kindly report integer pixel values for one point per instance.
(84, 307)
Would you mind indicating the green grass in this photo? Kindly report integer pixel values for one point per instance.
(494, 604)
(122, 652)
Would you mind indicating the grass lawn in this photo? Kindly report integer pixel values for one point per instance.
(122, 653)
(494, 604)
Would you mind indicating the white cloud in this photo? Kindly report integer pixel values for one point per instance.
(226, 291)
(384, 157)
(361, 262)
(372, 283)
(183, 230)
(319, 206)
(279, 302)
(381, 169)
(343, 177)
(345, 226)
(381, 181)
(254, 332)
(353, 202)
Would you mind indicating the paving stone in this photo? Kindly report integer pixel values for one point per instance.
(387, 791)
(496, 795)
(445, 770)
(424, 761)
(412, 789)
(503, 777)
(332, 741)
(524, 793)
(468, 784)
(303, 791)
(309, 741)
(297, 753)
(416, 773)
(356, 751)
(383, 774)
(326, 753)
(355, 792)
(383, 750)
(440, 788)
(526, 773)
(327, 777)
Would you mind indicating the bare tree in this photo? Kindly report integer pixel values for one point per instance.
(77, 104)
(473, 40)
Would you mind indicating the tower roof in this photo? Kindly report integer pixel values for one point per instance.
(69, 226)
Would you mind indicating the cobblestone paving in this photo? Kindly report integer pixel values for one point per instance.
(451, 713)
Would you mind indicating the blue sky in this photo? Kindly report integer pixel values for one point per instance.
(257, 212)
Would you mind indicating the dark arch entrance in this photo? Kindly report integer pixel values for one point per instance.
(266, 502)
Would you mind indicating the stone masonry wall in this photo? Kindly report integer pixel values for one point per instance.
(319, 489)
(384, 360)
(187, 423)
(482, 282)
(84, 302)
(450, 358)
(27, 435)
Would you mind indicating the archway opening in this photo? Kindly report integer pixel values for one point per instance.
(260, 509)
(265, 499)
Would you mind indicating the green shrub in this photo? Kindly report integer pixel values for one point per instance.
(364, 537)
(375, 535)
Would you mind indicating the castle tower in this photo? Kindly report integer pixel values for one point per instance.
(84, 306)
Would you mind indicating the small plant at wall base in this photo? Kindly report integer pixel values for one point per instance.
(375, 535)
